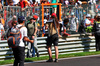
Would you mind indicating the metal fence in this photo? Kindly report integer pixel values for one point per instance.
(9, 11)
(71, 44)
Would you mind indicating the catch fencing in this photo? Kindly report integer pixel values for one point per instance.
(71, 44)
(10, 11)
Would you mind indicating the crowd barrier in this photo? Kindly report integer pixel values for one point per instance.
(72, 44)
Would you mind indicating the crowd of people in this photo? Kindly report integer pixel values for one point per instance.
(53, 28)
(74, 26)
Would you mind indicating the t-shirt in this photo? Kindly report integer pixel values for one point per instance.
(23, 3)
(54, 1)
(66, 2)
(88, 22)
(98, 6)
(23, 31)
(3, 22)
(38, 1)
(15, 2)
(73, 24)
(1, 28)
(31, 28)
(45, 20)
(92, 1)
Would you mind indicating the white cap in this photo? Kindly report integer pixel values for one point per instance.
(88, 15)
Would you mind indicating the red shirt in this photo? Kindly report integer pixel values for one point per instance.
(33, 7)
(92, 20)
(23, 4)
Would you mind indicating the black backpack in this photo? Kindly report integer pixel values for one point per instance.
(14, 37)
(97, 28)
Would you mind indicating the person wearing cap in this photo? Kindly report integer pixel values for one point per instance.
(19, 52)
(87, 23)
(73, 22)
(32, 34)
(96, 32)
(53, 37)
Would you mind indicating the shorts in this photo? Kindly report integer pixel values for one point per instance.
(52, 39)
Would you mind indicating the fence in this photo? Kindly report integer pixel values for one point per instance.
(71, 44)
(9, 11)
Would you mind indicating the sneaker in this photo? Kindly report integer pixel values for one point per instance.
(56, 60)
(50, 60)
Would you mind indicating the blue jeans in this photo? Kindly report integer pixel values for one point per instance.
(31, 49)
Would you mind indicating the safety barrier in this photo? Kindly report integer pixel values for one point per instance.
(72, 44)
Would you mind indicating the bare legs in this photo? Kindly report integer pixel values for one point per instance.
(50, 53)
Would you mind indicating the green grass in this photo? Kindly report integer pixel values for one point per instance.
(46, 57)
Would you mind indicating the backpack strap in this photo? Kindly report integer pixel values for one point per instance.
(21, 27)
(8, 32)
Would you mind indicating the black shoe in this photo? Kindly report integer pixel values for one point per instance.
(50, 60)
(56, 60)
(37, 54)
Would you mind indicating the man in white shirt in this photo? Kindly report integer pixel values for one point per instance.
(93, 5)
(19, 52)
(73, 24)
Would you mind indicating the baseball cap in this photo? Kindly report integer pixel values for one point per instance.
(35, 17)
(88, 15)
(21, 18)
(53, 14)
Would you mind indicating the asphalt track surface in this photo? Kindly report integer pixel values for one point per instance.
(93, 60)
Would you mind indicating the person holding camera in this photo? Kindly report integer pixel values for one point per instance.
(53, 37)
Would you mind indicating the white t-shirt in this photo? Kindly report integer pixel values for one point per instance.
(45, 20)
(87, 22)
(66, 2)
(73, 24)
(1, 28)
(23, 31)
(15, 2)
(37, 1)
(93, 1)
